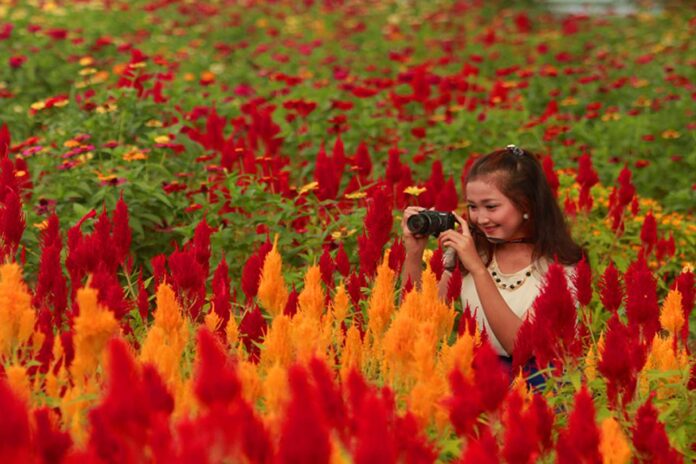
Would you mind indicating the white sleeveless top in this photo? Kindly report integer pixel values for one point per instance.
(521, 289)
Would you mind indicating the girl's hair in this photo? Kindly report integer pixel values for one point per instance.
(519, 176)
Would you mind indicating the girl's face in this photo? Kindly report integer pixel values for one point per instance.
(492, 212)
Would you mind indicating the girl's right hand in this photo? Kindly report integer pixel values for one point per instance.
(414, 244)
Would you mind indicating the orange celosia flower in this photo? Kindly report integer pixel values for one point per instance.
(381, 306)
(272, 293)
(351, 357)
(311, 299)
(165, 341)
(663, 359)
(17, 317)
(232, 332)
(251, 383)
(278, 348)
(613, 445)
(18, 380)
(460, 355)
(671, 316)
(94, 326)
(591, 364)
(212, 321)
(276, 394)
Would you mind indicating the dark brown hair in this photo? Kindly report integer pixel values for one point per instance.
(519, 176)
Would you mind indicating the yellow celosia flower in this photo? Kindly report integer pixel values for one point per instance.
(18, 380)
(671, 316)
(277, 346)
(17, 317)
(311, 299)
(613, 444)
(94, 326)
(273, 294)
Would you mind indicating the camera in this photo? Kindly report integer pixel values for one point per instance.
(431, 222)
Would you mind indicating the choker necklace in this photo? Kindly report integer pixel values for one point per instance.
(510, 281)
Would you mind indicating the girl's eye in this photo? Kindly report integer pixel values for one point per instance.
(472, 207)
(491, 208)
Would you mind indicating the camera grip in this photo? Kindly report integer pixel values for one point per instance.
(449, 259)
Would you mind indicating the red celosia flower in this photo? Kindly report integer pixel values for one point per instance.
(201, 245)
(648, 233)
(552, 333)
(362, 162)
(188, 278)
(411, 442)
(327, 174)
(305, 432)
(454, 286)
(355, 284)
(642, 308)
(623, 357)
(579, 442)
(611, 290)
(11, 224)
(327, 267)
(217, 384)
(397, 255)
(379, 219)
(436, 264)
(292, 303)
(252, 328)
(159, 269)
(467, 321)
(482, 449)
(433, 185)
(551, 177)
(251, 273)
(569, 206)
(342, 263)
(374, 441)
(394, 166)
(665, 247)
(51, 442)
(582, 281)
(110, 291)
(626, 189)
(134, 412)
(649, 437)
(15, 438)
(521, 443)
(221, 292)
(544, 420)
(369, 252)
(51, 284)
(491, 379)
(329, 396)
(447, 199)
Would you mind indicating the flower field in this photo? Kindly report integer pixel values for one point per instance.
(199, 231)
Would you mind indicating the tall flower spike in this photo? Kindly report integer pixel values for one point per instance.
(272, 293)
(17, 317)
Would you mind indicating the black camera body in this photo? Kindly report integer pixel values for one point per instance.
(431, 222)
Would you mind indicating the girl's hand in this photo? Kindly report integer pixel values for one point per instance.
(414, 244)
(463, 243)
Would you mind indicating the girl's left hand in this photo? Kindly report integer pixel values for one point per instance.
(463, 243)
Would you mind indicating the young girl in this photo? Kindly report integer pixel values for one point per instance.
(515, 229)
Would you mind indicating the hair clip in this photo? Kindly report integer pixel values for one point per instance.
(515, 150)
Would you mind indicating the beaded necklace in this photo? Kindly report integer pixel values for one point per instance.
(510, 281)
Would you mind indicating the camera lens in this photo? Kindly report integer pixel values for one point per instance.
(418, 224)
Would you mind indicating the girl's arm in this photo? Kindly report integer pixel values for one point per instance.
(503, 322)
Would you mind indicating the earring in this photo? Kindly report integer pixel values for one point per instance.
(525, 216)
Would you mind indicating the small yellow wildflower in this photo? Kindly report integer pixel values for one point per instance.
(414, 190)
(670, 134)
(356, 195)
(308, 188)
